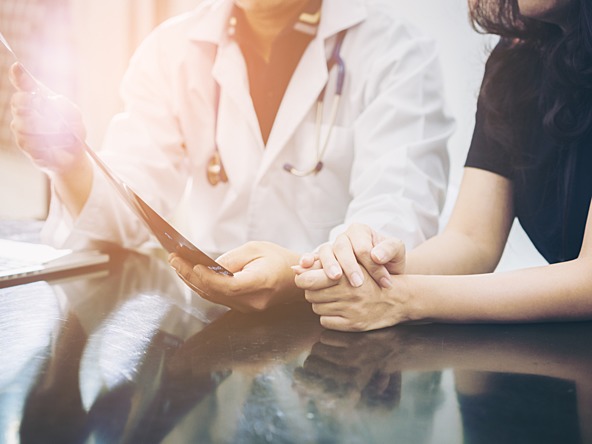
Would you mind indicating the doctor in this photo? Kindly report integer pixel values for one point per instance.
(290, 119)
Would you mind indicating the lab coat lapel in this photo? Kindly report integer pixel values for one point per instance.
(230, 73)
(303, 90)
(238, 135)
(310, 76)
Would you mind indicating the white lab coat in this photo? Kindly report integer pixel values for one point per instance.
(386, 164)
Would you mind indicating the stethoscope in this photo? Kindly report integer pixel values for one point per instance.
(215, 169)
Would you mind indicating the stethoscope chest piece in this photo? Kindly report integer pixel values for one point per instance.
(215, 170)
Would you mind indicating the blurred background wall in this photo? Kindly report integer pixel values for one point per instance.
(81, 48)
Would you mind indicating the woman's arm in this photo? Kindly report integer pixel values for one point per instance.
(472, 242)
(548, 293)
(476, 234)
(558, 292)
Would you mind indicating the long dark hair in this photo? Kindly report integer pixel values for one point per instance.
(538, 70)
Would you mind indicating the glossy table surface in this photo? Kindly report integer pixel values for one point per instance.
(133, 356)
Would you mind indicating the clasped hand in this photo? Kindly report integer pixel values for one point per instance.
(357, 283)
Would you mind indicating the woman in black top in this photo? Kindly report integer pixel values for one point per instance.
(530, 157)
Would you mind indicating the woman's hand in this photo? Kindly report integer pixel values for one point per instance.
(367, 307)
(359, 247)
(46, 126)
(263, 277)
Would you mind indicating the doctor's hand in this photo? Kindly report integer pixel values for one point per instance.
(358, 247)
(262, 277)
(46, 126)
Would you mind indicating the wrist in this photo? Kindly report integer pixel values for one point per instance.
(409, 292)
(73, 185)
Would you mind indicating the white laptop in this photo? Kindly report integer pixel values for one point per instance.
(21, 260)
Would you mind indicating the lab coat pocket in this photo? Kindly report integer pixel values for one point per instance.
(323, 198)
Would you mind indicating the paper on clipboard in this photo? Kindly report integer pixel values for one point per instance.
(170, 239)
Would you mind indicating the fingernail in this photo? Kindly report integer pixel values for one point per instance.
(334, 271)
(356, 279)
(385, 282)
(306, 258)
(379, 254)
(174, 263)
(19, 70)
(22, 74)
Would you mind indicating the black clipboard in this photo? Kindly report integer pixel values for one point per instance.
(170, 239)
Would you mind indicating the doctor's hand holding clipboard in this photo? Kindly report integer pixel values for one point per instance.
(262, 277)
(58, 149)
(68, 151)
(56, 145)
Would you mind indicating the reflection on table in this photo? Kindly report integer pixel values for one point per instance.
(134, 356)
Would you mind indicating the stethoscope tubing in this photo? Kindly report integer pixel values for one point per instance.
(215, 169)
(334, 61)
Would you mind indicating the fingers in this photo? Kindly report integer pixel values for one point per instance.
(361, 246)
(307, 260)
(338, 258)
(331, 307)
(336, 323)
(345, 255)
(186, 272)
(235, 260)
(299, 269)
(21, 79)
(199, 278)
(193, 287)
(27, 122)
(363, 239)
(327, 259)
(358, 248)
(48, 128)
(352, 250)
(246, 291)
(332, 313)
(54, 110)
(391, 253)
(314, 280)
(52, 151)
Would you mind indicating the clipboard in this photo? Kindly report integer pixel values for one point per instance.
(170, 239)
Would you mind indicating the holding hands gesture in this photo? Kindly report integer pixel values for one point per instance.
(347, 282)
